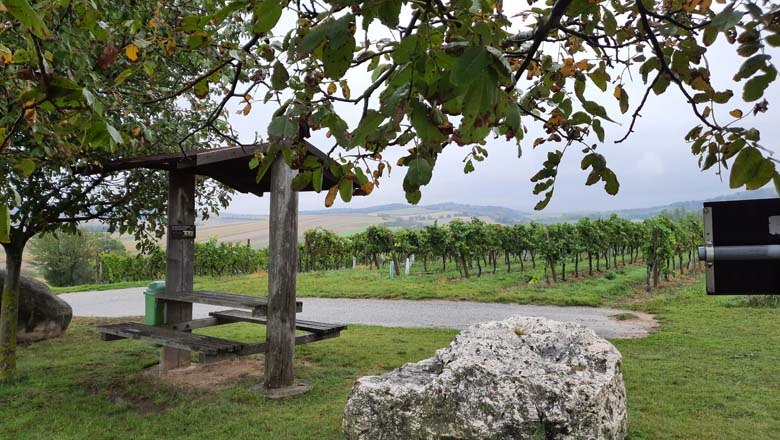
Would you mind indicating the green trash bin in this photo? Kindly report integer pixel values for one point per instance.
(154, 310)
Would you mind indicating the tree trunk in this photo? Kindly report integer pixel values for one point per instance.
(563, 270)
(681, 265)
(444, 263)
(9, 309)
(508, 262)
(425, 263)
(479, 269)
(590, 263)
(598, 262)
(577, 265)
(552, 269)
(465, 266)
(533, 260)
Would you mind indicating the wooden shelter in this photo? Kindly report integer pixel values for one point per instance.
(229, 166)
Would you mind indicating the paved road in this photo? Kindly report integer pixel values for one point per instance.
(389, 313)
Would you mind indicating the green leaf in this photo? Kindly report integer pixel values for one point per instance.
(659, 87)
(513, 117)
(201, 89)
(265, 165)
(22, 11)
(710, 34)
(600, 77)
(420, 172)
(595, 109)
(727, 18)
(345, 190)
(5, 224)
(762, 176)
(751, 66)
(316, 179)
(281, 127)
(469, 66)
(421, 121)
(598, 129)
(25, 166)
(301, 181)
(745, 167)
(368, 126)
(755, 87)
(338, 50)
(115, 136)
(279, 77)
(267, 14)
(414, 197)
(611, 184)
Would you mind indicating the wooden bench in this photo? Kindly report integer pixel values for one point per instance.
(211, 349)
(319, 328)
(257, 304)
(207, 345)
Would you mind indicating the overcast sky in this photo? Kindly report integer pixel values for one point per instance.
(654, 166)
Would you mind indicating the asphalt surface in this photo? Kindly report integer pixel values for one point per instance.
(388, 313)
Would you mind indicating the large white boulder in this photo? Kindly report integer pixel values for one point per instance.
(521, 378)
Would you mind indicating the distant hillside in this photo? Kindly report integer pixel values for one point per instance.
(401, 215)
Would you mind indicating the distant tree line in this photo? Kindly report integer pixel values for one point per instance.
(474, 247)
(471, 247)
(93, 257)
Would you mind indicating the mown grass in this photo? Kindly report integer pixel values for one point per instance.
(710, 373)
(514, 287)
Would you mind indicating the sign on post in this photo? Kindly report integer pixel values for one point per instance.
(742, 247)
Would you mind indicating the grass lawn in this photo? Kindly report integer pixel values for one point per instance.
(503, 287)
(711, 372)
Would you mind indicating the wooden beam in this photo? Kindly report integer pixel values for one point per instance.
(282, 270)
(179, 273)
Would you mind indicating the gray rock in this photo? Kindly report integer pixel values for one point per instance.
(521, 378)
(42, 315)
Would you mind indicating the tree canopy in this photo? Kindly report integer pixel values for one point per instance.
(442, 73)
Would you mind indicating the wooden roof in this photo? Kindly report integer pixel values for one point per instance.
(228, 165)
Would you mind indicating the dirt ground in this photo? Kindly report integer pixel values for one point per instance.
(218, 375)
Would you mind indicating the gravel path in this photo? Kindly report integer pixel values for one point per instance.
(389, 313)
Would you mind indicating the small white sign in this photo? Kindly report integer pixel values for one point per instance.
(774, 225)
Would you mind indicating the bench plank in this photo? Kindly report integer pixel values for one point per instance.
(257, 304)
(170, 338)
(309, 326)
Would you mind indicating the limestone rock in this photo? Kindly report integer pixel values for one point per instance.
(42, 315)
(521, 378)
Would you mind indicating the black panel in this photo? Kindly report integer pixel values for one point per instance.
(745, 222)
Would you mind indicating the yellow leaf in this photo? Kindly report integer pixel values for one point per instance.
(367, 187)
(345, 89)
(331, 197)
(618, 91)
(331, 88)
(137, 131)
(247, 109)
(131, 51)
(31, 115)
(737, 113)
(153, 23)
(704, 6)
(582, 65)
(706, 111)
(568, 68)
(6, 57)
(170, 46)
(328, 134)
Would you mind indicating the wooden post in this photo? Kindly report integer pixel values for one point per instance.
(179, 272)
(282, 269)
